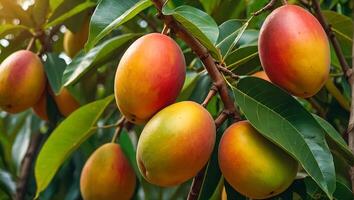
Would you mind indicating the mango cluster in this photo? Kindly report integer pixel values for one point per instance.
(178, 138)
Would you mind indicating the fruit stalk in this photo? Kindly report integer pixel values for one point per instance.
(216, 76)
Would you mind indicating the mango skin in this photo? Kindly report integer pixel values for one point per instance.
(175, 144)
(74, 42)
(262, 75)
(65, 102)
(40, 108)
(294, 50)
(253, 165)
(22, 81)
(107, 175)
(149, 77)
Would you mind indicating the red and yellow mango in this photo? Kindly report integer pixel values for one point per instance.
(107, 175)
(65, 102)
(175, 144)
(253, 165)
(149, 77)
(22, 81)
(294, 50)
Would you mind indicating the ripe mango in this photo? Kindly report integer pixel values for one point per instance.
(149, 77)
(262, 75)
(22, 81)
(65, 102)
(74, 42)
(175, 144)
(253, 165)
(294, 50)
(107, 175)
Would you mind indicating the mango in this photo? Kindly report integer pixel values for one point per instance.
(75, 41)
(40, 108)
(107, 175)
(65, 102)
(22, 81)
(294, 51)
(175, 144)
(254, 166)
(262, 75)
(149, 77)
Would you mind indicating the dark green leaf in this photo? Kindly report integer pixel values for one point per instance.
(189, 85)
(336, 139)
(66, 138)
(342, 26)
(229, 42)
(199, 24)
(82, 63)
(110, 14)
(54, 68)
(243, 60)
(280, 118)
(129, 150)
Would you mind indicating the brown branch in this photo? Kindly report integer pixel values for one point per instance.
(212, 69)
(226, 71)
(332, 38)
(26, 166)
(211, 94)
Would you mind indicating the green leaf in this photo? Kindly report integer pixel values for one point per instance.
(282, 119)
(212, 173)
(82, 63)
(243, 60)
(229, 42)
(65, 139)
(74, 11)
(40, 11)
(8, 28)
(54, 68)
(336, 139)
(342, 26)
(199, 24)
(188, 86)
(54, 4)
(129, 151)
(111, 14)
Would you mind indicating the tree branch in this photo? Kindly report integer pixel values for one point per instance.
(26, 166)
(332, 38)
(211, 94)
(212, 69)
